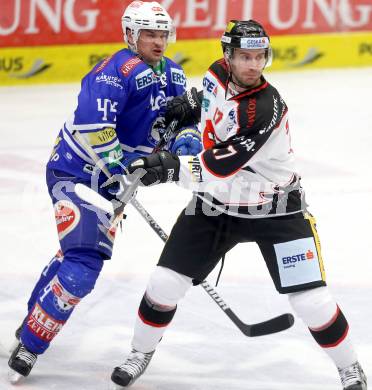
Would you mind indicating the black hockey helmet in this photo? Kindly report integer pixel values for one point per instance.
(246, 34)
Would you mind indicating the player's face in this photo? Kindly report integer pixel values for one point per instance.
(151, 45)
(247, 66)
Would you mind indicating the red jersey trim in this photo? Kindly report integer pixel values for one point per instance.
(251, 91)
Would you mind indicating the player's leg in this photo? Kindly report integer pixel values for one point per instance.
(155, 313)
(74, 280)
(86, 243)
(330, 329)
(291, 248)
(194, 247)
(48, 273)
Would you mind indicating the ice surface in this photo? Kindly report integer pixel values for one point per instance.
(331, 125)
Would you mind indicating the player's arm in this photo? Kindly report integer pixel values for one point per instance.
(186, 109)
(221, 162)
(218, 163)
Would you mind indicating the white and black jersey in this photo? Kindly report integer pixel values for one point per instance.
(247, 166)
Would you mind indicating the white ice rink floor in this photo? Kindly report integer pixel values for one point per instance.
(331, 125)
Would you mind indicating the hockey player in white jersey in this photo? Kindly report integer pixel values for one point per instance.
(246, 189)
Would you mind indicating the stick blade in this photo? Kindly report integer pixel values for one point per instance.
(274, 325)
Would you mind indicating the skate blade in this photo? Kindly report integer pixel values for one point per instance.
(14, 377)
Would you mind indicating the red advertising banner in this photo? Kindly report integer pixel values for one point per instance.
(55, 22)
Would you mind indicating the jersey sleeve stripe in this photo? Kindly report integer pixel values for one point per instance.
(75, 147)
(211, 171)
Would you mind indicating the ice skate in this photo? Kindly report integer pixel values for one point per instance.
(353, 377)
(21, 362)
(133, 367)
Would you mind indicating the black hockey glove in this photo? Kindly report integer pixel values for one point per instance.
(185, 108)
(161, 167)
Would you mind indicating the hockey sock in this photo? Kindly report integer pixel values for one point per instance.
(151, 324)
(327, 324)
(158, 306)
(155, 315)
(334, 339)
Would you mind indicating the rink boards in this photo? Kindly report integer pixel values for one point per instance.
(68, 63)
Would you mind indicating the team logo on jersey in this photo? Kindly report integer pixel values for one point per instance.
(146, 78)
(157, 129)
(178, 77)
(113, 81)
(43, 325)
(67, 217)
(129, 65)
(232, 115)
(158, 101)
(231, 121)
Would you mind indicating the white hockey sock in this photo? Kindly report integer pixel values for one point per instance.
(158, 307)
(326, 322)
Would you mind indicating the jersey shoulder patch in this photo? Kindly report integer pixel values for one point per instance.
(107, 73)
(129, 65)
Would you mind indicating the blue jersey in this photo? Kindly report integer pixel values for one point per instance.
(120, 113)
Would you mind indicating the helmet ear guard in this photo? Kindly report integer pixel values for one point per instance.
(246, 34)
(140, 15)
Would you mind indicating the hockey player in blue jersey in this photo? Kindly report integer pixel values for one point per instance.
(121, 116)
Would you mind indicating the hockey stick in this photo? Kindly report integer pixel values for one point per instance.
(273, 325)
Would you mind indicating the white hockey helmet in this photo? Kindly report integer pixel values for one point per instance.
(146, 15)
